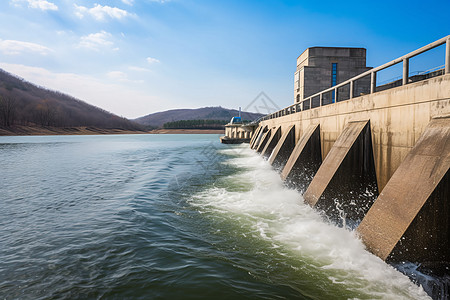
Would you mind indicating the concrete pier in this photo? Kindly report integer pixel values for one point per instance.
(259, 137)
(410, 218)
(333, 161)
(304, 160)
(283, 149)
(273, 141)
(345, 185)
(255, 136)
(264, 139)
(237, 133)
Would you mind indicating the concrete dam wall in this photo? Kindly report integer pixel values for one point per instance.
(378, 163)
(398, 117)
(371, 158)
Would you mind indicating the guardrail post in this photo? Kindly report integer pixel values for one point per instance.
(405, 71)
(321, 100)
(447, 56)
(350, 95)
(310, 102)
(336, 95)
(373, 82)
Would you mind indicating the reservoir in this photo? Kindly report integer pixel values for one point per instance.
(170, 217)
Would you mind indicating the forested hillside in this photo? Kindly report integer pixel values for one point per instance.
(23, 103)
(196, 124)
(206, 113)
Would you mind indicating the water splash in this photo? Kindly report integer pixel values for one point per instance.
(266, 209)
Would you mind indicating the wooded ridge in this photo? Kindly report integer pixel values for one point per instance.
(23, 103)
(205, 113)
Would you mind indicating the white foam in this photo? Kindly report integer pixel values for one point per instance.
(279, 215)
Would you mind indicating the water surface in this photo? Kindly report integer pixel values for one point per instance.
(169, 217)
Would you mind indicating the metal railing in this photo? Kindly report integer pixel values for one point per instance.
(311, 101)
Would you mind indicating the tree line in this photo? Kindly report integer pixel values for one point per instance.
(52, 112)
(195, 124)
(23, 103)
(7, 111)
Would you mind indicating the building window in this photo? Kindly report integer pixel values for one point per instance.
(333, 74)
(333, 79)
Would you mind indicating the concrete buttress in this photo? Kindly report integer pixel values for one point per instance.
(410, 218)
(304, 160)
(345, 186)
(270, 145)
(283, 149)
(265, 138)
(255, 136)
(257, 141)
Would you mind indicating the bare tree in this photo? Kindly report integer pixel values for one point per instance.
(45, 113)
(7, 110)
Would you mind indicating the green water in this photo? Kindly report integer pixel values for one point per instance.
(169, 217)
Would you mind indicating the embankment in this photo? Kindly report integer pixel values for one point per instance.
(32, 130)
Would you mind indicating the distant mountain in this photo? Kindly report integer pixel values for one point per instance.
(23, 103)
(206, 113)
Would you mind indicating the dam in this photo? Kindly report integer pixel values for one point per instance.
(371, 157)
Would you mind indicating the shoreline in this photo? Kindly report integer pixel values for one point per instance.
(188, 131)
(20, 130)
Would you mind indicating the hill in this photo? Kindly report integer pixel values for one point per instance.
(206, 113)
(25, 104)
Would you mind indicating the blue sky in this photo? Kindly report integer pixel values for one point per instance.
(135, 57)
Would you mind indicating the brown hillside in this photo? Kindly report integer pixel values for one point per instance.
(23, 103)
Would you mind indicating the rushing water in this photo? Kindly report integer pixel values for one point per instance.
(169, 217)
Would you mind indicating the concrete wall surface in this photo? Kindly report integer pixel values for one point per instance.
(238, 132)
(314, 69)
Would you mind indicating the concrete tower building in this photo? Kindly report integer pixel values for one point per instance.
(319, 68)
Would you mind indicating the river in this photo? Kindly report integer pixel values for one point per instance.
(169, 217)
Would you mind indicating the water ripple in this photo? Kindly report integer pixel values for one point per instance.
(155, 217)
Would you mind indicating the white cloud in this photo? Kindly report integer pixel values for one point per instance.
(12, 47)
(152, 60)
(117, 75)
(39, 4)
(42, 4)
(122, 77)
(128, 2)
(117, 98)
(138, 69)
(100, 13)
(15, 2)
(95, 41)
